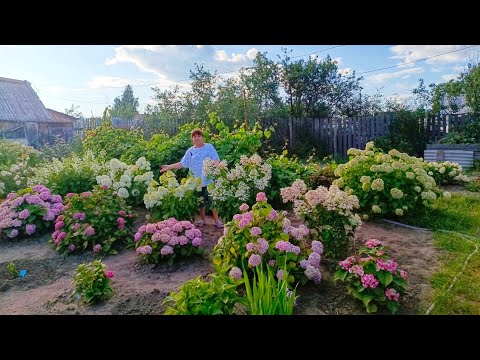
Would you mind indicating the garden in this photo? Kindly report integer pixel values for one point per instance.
(95, 228)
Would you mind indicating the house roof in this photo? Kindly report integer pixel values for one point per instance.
(61, 117)
(19, 102)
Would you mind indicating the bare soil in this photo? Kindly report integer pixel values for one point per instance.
(140, 289)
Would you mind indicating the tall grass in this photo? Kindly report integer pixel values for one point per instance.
(266, 295)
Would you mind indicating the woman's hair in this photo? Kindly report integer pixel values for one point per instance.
(196, 132)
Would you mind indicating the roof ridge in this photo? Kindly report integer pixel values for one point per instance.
(13, 80)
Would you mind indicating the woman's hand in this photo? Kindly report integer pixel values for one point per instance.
(165, 168)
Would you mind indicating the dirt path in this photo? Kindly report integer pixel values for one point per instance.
(140, 289)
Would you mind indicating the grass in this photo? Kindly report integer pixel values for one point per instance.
(461, 213)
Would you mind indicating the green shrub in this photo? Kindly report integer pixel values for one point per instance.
(92, 220)
(373, 278)
(197, 297)
(92, 282)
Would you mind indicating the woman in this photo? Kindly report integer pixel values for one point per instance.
(193, 160)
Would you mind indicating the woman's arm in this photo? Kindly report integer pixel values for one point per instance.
(175, 166)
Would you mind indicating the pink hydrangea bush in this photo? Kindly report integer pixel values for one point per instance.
(28, 212)
(166, 240)
(92, 221)
(265, 236)
(373, 277)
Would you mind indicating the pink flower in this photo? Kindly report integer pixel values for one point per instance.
(197, 241)
(23, 214)
(369, 281)
(104, 187)
(30, 228)
(69, 195)
(371, 243)
(235, 273)
(244, 207)
(86, 194)
(121, 212)
(71, 247)
(273, 215)
(261, 197)
(109, 274)
(97, 248)
(255, 231)
(121, 223)
(392, 294)
(89, 231)
(403, 274)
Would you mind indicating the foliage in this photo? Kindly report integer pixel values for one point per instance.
(12, 152)
(92, 220)
(467, 134)
(406, 134)
(92, 282)
(166, 240)
(12, 269)
(445, 173)
(284, 171)
(316, 174)
(28, 211)
(162, 149)
(389, 184)
(197, 297)
(129, 181)
(232, 188)
(242, 246)
(328, 211)
(267, 296)
(126, 105)
(315, 88)
(473, 186)
(126, 145)
(72, 174)
(373, 277)
(60, 149)
(169, 199)
(74, 111)
(242, 141)
(16, 162)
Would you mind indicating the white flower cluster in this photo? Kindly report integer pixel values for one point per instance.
(250, 176)
(169, 185)
(446, 172)
(127, 180)
(88, 163)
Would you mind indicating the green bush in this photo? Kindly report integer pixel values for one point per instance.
(197, 297)
(92, 220)
(373, 278)
(92, 282)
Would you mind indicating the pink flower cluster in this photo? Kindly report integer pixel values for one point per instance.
(13, 215)
(392, 294)
(168, 234)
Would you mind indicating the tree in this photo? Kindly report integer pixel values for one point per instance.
(126, 105)
(316, 89)
(73, 111)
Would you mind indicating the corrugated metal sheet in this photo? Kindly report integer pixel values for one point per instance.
(61, 117)
(19, 102)
(463, 157)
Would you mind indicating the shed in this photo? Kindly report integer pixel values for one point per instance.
(23, 115)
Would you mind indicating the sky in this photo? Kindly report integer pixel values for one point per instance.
(91, 76)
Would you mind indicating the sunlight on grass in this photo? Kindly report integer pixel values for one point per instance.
(460, 213)
(464, 297)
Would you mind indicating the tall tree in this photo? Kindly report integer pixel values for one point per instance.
(126, 105)
(316, 88)
(200, 100)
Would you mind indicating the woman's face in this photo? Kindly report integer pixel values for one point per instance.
(197, 139)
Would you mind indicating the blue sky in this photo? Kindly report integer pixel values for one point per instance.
(91, 76)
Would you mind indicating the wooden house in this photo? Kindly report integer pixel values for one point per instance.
(24, 118)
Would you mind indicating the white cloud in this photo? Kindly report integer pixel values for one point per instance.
(241, 59)
(338, 60)
(345, 71)
(410, 53)
(174, 62)
(403, 74)
(448, 77)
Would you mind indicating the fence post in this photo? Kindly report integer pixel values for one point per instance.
(290, 133)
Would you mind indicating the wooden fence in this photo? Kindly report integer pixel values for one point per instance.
(333, 136)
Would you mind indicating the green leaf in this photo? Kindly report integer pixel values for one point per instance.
(385, 277)
(371, 308)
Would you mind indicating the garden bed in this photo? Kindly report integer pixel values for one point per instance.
(140, 289)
